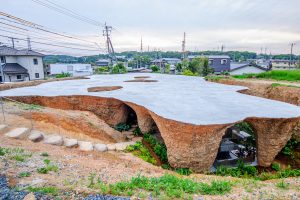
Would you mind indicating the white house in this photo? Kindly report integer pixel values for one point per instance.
(246, 68)
(20, 65)
(73, 69)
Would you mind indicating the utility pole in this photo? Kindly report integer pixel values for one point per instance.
(29, 43)
(291, 56)
(110, 49)
(222, 48)
(183, 46)
(12, 42)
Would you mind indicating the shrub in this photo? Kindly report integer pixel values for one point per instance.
(101, 70)
(187, 72)
(122, 127)
(44, 154)
(276, 166)
(159, 149)
(184, 171)
(119, 69)
(154, 68)
(139, 150)
(49, 167)
(63, 75)
(282, 185)
(290, 147)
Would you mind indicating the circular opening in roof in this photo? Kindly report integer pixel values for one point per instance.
(141, 77)
(104, 88)
(141, 80)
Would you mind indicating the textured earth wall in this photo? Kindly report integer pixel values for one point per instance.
(188, 145)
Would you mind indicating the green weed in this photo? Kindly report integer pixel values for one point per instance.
(44, 190)
(282, 185)
(24, 174)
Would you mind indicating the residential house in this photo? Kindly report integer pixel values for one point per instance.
(220, 63)
(20, 65)
(73, 69)
(284, 64)
(102, 62)
(246, 68)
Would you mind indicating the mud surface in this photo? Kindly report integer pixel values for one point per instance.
(102, 89)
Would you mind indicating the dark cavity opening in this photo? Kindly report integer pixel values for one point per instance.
(237, 145)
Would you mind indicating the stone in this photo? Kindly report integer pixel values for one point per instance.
(126, 133)
(29, 196)
(123, 145)
(85, 146)
(3, 127)
(54, 140)
(18, 133)
(137, 139)
(38, 182)
(35, 136)
(70, 142)
(130, 136)
(111, 147)
(100, 147)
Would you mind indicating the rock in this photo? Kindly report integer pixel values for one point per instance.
(111, 147)
(137, 139)
(100, 147)
(123, 145)
(70, 142)
(130, 136)
(127, 133)
(35, 136)
(29, 196)
(3, 127)
(85, 146)
(54, 140)
(17, 133)
(38, 182)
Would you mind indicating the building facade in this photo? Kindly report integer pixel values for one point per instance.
(73, 69)
(20, 65)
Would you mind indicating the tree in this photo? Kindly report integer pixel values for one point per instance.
(200, 66)
(154, 68)
(119, 68)
(206, 69)
(167, 68)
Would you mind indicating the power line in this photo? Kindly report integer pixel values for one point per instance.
(68, 12)
(52, 44)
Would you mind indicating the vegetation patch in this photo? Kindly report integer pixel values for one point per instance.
(284, 85)
(167, 186)
(44, 190)
(24, 174)
(122, 127)
(63, 75)
(49, 167)
(16, 154)
(139, 150)
(280, 75)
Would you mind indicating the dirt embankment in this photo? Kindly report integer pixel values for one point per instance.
(267, 90)
(8, 86)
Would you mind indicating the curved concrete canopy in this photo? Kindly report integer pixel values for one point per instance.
(181, 98)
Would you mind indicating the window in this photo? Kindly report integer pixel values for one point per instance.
(19, 77)
(37, 75)
(223, 62)
(69, 68)
(35, 61)
(211, 62)
(2, 59)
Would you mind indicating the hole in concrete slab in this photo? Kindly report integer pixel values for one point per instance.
(141, 77)
(237, 145)
(141, 80)
(104, 88)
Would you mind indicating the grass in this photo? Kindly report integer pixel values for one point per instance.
(122, 127)
(279, 75)
(282, 185)
(279, 84)
(139, 150)
(250, 172)
(159, 149)
(16, 154)
(24, 174)
(44, 154)
(169, 186)
(49, 167)
(44, 190)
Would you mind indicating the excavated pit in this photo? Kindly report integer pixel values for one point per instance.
(104, 88)
(141, 80)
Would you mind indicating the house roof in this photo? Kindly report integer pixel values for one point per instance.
(236, 66)
(8, 51)
(219, 56)
(14, 68)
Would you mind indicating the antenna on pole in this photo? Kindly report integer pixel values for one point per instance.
(183, 46)
(12, 42)
(141, 44)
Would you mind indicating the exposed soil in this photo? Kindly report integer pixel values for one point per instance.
(143, 77)
(141, 80)
(105, 88)
(8, 86)
(265, 89)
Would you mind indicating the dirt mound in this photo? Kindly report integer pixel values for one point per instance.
(104, 88)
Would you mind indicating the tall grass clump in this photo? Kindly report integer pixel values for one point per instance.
(280, 75)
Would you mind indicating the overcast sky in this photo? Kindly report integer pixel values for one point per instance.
(237, 24)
